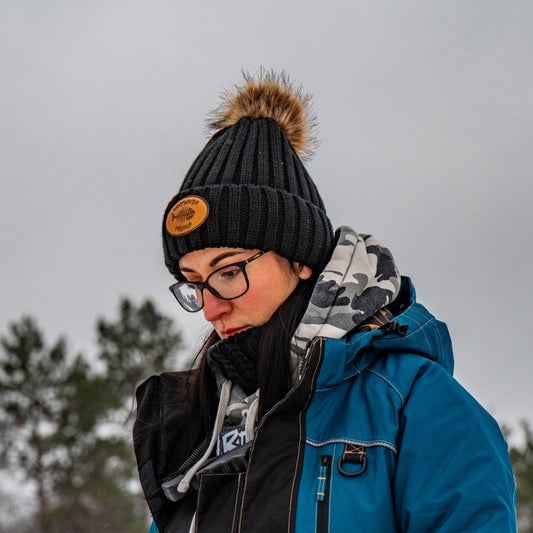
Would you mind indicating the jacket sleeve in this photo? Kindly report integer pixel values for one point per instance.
(453, 470)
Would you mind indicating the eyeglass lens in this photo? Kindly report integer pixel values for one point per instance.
(226, 283)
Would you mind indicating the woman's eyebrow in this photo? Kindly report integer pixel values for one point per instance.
(215, 259)
(222, 256)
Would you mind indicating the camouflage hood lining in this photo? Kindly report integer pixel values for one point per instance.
(360, 278)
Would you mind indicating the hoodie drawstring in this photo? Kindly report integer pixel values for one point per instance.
(251, 417)
(225, 391)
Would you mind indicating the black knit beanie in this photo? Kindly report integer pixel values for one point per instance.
(248, 187)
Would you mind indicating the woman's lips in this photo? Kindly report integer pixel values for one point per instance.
(233, 331)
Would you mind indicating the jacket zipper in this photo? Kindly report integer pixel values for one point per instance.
(316, 341)
(322, 495)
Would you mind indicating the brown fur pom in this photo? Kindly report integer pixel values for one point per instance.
(270, 95)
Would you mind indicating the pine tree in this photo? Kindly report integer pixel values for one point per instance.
(31, 375)
(63, 419)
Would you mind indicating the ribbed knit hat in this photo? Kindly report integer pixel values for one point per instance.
(248, 187)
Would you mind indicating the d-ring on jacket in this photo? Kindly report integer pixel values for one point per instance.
(376, 437)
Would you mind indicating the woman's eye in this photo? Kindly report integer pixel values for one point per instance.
(229, 273)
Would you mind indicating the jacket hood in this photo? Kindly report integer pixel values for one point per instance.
(414, 330)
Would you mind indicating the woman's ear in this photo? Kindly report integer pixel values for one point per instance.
(304, 272)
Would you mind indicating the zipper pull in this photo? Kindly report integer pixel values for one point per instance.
(323, 474)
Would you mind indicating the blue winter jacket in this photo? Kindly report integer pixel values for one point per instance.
(436, 461)
(388, 442)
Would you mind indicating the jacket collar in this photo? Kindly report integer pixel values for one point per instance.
(413, 330)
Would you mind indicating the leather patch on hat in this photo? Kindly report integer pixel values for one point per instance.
(186, 215)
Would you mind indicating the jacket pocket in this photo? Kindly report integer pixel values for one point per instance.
(322, 494)
(218, 503)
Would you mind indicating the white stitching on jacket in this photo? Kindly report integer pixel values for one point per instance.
(367, 444)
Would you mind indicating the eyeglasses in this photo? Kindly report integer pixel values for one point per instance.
(226, 283)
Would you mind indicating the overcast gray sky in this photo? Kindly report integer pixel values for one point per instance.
(425, 111)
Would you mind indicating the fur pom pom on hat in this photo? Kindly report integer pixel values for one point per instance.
(273, 96)
(248, 187)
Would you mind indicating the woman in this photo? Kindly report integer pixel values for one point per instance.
(323, 399)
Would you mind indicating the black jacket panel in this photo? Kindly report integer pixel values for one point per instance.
(235, 502)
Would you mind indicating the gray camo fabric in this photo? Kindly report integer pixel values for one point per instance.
(360, 278)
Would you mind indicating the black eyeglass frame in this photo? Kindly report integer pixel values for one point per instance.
(201, 285)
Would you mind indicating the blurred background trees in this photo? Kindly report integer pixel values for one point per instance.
(66, 458)
(66, 451)
(522, 459)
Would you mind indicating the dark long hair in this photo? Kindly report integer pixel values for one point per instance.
(274, 366)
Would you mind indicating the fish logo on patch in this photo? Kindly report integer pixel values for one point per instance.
(186, 215)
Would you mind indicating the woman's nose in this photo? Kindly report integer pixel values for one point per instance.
(214, 307)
